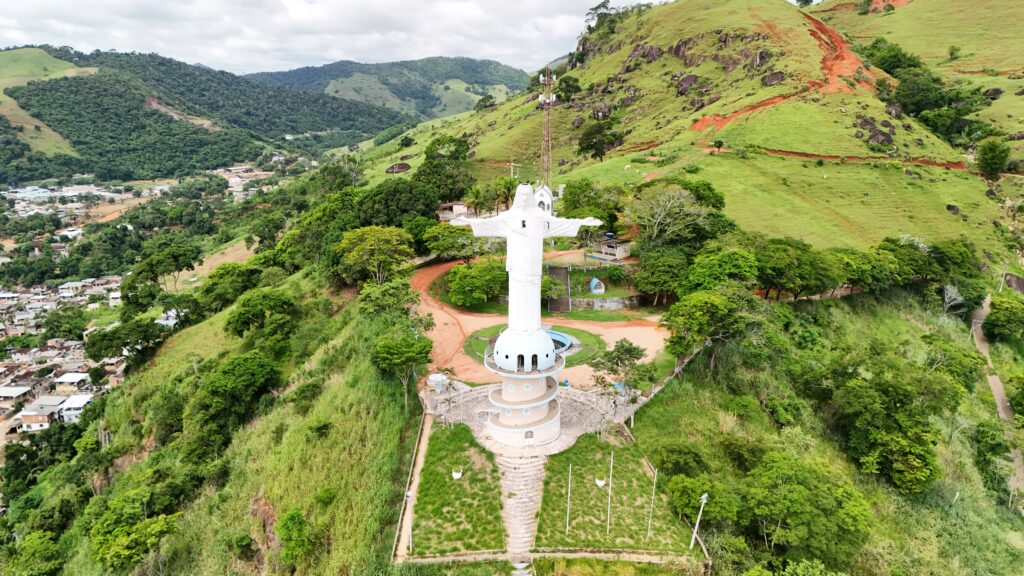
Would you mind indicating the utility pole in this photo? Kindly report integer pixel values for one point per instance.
(568, 500)
(408, 505)
(512, 168)
(547, 100)
(650, 514)
(1002, 277)
(703, 501)
(611, 470)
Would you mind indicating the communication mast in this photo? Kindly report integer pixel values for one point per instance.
(547, 101)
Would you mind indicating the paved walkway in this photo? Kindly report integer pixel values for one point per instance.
(405, 526)
(996, 385)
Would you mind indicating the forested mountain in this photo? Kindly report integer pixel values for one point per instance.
(144, 116)
(409, 86)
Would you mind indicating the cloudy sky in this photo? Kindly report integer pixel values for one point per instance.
(257, 35)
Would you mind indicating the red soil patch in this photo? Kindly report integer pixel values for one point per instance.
(719, 121)
(918, 161)
(837, 60)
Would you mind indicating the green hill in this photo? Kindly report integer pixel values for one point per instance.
(430, 87)
(145, 116)
(988, 54)
(805, 137)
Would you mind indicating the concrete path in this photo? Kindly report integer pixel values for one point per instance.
(996, 385)
(522, 487)
(405, 525)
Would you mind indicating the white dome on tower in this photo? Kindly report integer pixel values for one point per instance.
(522, 351)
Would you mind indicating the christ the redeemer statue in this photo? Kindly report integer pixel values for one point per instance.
(525, 411)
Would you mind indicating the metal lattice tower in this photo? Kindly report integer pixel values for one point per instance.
(547, 101)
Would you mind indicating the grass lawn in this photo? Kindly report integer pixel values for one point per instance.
(591, 345)
(103, 316)
(580, 281)
(592, 567)
(457, 515)
(596, 315)
(631, 487)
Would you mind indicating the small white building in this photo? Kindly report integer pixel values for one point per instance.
(76, 379)
(71, 409)
(11, 395)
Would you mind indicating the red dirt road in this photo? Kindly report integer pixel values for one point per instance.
(452, 326)
(837, 60)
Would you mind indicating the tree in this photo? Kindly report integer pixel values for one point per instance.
(394, 201)
(255, 307)
(918, 90)
(374, 252)
(598, 138)
(711, 269)
(225, 400)
(125, 531)
(804, 511)
(400, 354)
(36, 555)
(667, 216)
(568, 86)
(139, 338)
(296, 537)
(487, 101)
(66, 322)
(505, 190)
(387, 298)
(452, 242)
(707, 318)
(992, 157)
(473, 284)
(226, 283)
(445, 169)
(684, 496)
(406, 141)
(718, 143)
(617, 365)
(1006, 318)
(660, 272)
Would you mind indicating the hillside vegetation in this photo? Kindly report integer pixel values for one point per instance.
(145, 116)
(804, 135)
(422, 87)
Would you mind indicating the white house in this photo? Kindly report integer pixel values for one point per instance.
(77, 379)
(71, 409)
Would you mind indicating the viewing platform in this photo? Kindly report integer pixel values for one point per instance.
(491, 365)
(550, 392)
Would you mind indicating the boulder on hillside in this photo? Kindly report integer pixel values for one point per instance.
(398, 168)
(773, 78)
(859, 134)
(993, 93)
(645, 51)
(531, 97)
(470, 154)
(760, 58)
(886, 123)
(880, 138)
(577, 122)
(1017, 136)
(953, 208)
(601, 111)
(895, 109)
(1019, 92)
(685, 83)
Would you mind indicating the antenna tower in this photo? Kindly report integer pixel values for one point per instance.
(547, 101)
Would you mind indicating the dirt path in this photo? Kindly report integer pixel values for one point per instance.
(452, 326)
(996, 385)
(918, 161)
(837, 60)
(402, 550)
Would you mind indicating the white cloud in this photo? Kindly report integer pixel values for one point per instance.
(256, 35)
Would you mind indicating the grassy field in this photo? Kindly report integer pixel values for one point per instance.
(457, 515)
(928, 27)
(590, 344)
(632, 484)
(589, 567)
(21, 66)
